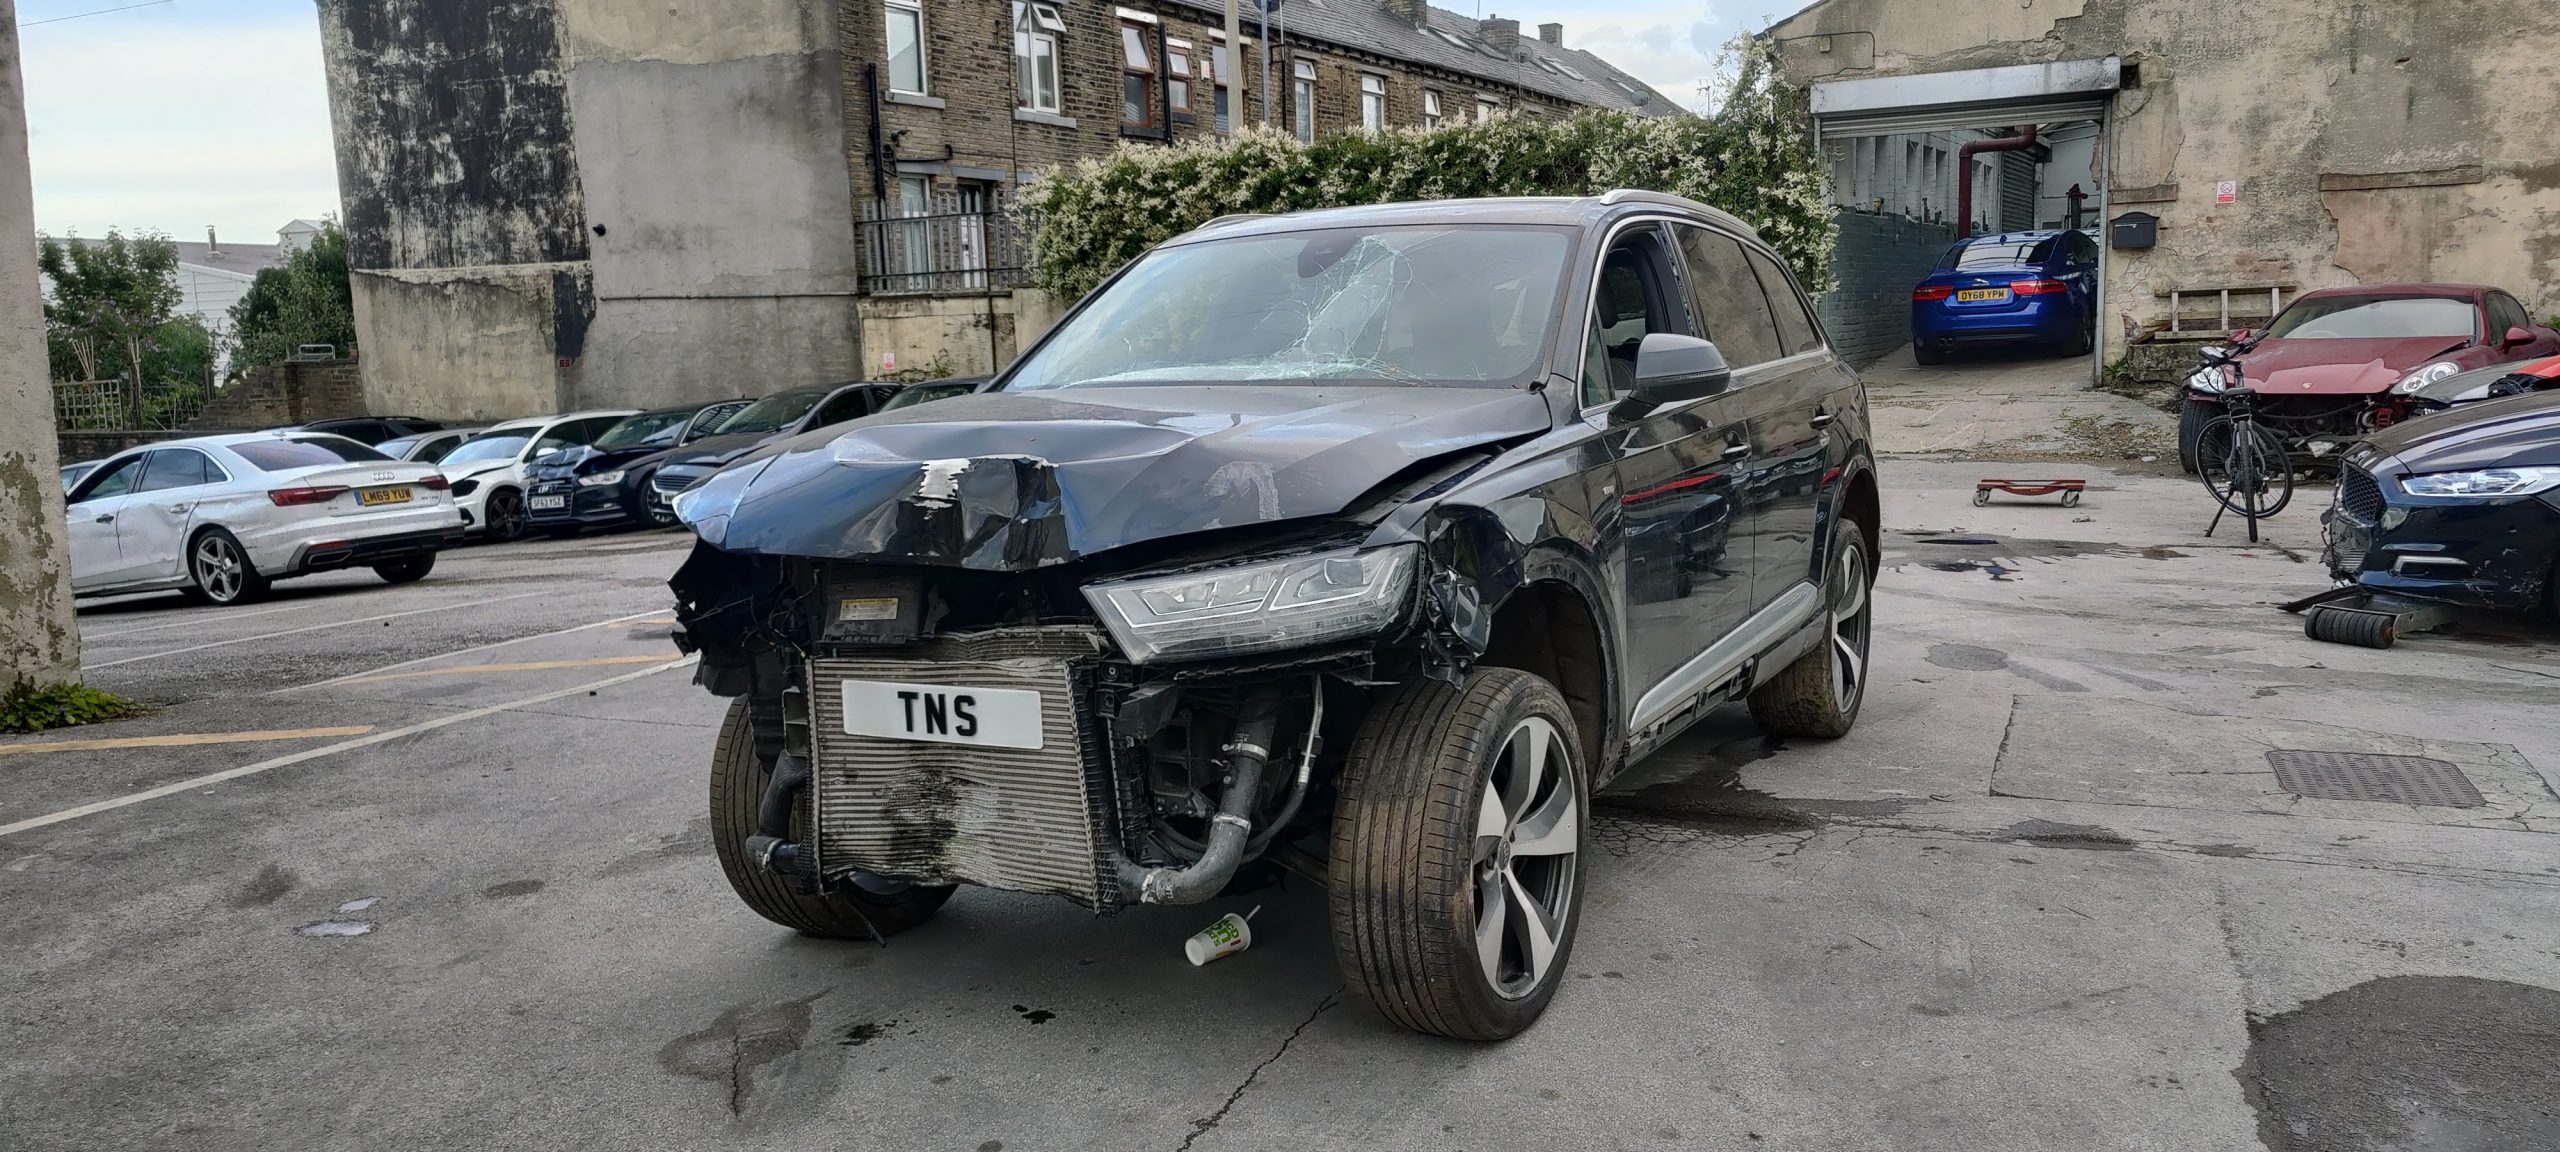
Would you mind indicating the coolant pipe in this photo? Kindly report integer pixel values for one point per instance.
(1229, 829)
(1306, 771)
(782, 789)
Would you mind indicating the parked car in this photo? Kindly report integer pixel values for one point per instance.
(1333, 567)
(426, 447)
(2339, 364)
(489, 470)
(221, 517)
(2461, 507)
(71, 473)
(373, 429)
(770, 419)
(932, 390)
(597, 486)
(2488, 383)
(2037, 288)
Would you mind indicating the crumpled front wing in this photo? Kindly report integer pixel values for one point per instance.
(1021, 820)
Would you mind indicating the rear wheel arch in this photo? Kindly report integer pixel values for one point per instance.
(1860, 499)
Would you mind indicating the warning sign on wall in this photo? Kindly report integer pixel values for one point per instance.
(2227, 192)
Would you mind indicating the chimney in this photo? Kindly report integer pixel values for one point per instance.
(1414, 12)
(211, 243)
(1503, 35)
(1551, 34)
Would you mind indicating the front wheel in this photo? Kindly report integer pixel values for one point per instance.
(505, 513)
(2193, 415)
(1455, 888)
(2245, 467)
(1818, 695)
(843, 912)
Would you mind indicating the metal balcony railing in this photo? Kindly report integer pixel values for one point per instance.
(944, 243)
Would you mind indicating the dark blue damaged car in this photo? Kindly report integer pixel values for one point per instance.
(1362, 544)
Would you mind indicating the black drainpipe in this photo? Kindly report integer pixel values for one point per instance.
(879, 177)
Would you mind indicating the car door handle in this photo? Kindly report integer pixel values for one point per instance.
(1822, 418)
(1736, 451)
(109, 518)
(178, 509)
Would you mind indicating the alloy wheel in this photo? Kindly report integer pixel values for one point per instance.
(1851, 625)
(219, 568)
(1528, 831)
(506, 516)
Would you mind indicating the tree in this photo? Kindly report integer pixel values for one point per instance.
(307, 301)
(111, 296)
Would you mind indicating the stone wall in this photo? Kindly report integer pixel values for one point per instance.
(275, 395)
(1879, 257)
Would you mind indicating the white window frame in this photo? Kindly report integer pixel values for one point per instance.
(1373, 102)
(890, 12)
(1037, 25)
(1177, 48)
(1302, 100)
(1487, 108)
(1430, 108)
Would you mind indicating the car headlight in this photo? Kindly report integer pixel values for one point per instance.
(465, 487)
(2484, 482)
(2211, 378)
(2424, 376)
(601, 479)
(1295, 603)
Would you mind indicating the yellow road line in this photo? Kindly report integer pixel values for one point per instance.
(526, 666)
(183, 741)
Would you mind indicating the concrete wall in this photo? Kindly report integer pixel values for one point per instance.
(473, 344)
(2372, 141)
(1877, 260)
(38, 639)
(952, 335)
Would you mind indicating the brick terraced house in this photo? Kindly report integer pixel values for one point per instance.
(563, 204)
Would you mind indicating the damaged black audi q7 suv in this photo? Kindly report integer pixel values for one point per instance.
(1363, 543)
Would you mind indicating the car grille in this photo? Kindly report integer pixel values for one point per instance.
(2359, 496)
(672, 483)
(1016, 819)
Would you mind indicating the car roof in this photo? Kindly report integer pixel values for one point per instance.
(2464, 290)
(1578, 211)
(2031, 236)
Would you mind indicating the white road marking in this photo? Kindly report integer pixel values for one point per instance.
(311, 628)
(194, 619)
(192, 783)
(371, 673)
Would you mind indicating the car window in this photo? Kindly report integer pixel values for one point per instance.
(2505, 313)
(115, 479)
(178, 468)
(1459, 305)
(556, 437)
(397, 449)
(1634, 295)
(1982, 255)
(442, 446)
(305, 451)
(2377, 318)
(1728, 297)
(711, 418)
(850, 404)
(1796, 329)
(777, 411)
(641, 429)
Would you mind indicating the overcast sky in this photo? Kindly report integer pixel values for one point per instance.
(213, 112)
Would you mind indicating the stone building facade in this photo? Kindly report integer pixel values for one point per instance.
(559, 204)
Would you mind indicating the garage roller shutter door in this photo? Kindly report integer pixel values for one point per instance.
(1940, 118)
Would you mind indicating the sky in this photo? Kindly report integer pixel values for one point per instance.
(195, 113)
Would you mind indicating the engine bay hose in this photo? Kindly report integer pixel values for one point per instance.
(1256, 725)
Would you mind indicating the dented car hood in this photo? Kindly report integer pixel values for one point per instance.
(2339, 367)
(1010, 481)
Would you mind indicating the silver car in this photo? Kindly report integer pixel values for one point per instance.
(221, 517)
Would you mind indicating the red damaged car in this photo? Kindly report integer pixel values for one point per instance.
(2341, 363)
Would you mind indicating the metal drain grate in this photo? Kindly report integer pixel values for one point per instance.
(2368, 776)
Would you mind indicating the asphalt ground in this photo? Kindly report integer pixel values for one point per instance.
(428, 867)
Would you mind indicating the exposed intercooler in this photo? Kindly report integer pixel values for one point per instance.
(1024, 820)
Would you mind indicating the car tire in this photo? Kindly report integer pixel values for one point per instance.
(407, 569)
(2082, 341)
(1926, 355)
(1818, 695)
(1445, 791)
(2193, 415)
(504, 515)
(219, 570)
(843, 912)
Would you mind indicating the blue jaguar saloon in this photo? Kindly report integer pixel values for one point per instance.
(2038, 288)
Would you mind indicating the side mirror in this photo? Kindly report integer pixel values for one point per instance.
(1671, 368)
(2242, 336)
(2516, 337)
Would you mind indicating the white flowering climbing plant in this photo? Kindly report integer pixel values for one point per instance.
(1753, 157)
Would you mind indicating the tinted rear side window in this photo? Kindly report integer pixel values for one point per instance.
(1727, 298)
(305, 452)
(1795, 325)
(179, 468)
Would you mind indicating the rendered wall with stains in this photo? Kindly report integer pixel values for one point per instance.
(38, 640)
(2373, 140)
(591, 203)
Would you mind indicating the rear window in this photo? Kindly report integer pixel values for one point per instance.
(305, 452)
(1987, 255)
(2377, 318)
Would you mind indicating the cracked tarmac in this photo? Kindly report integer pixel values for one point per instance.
(2001, 914)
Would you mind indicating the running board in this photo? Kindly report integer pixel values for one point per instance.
(1780, 632)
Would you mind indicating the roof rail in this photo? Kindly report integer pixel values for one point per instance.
(1643, 196)
(1234, 218)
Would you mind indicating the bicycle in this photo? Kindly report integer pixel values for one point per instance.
(2243, 465)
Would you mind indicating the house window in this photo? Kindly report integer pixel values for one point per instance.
(1373, 102)
(1177, 74)
(1487, 108)
(1137, 78)
(1302, 101)
(906, 46)
(915, 234)
(1036, 28)
(1430, 108)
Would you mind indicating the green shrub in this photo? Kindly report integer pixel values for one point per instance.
(1753, 158)
(27, 708)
